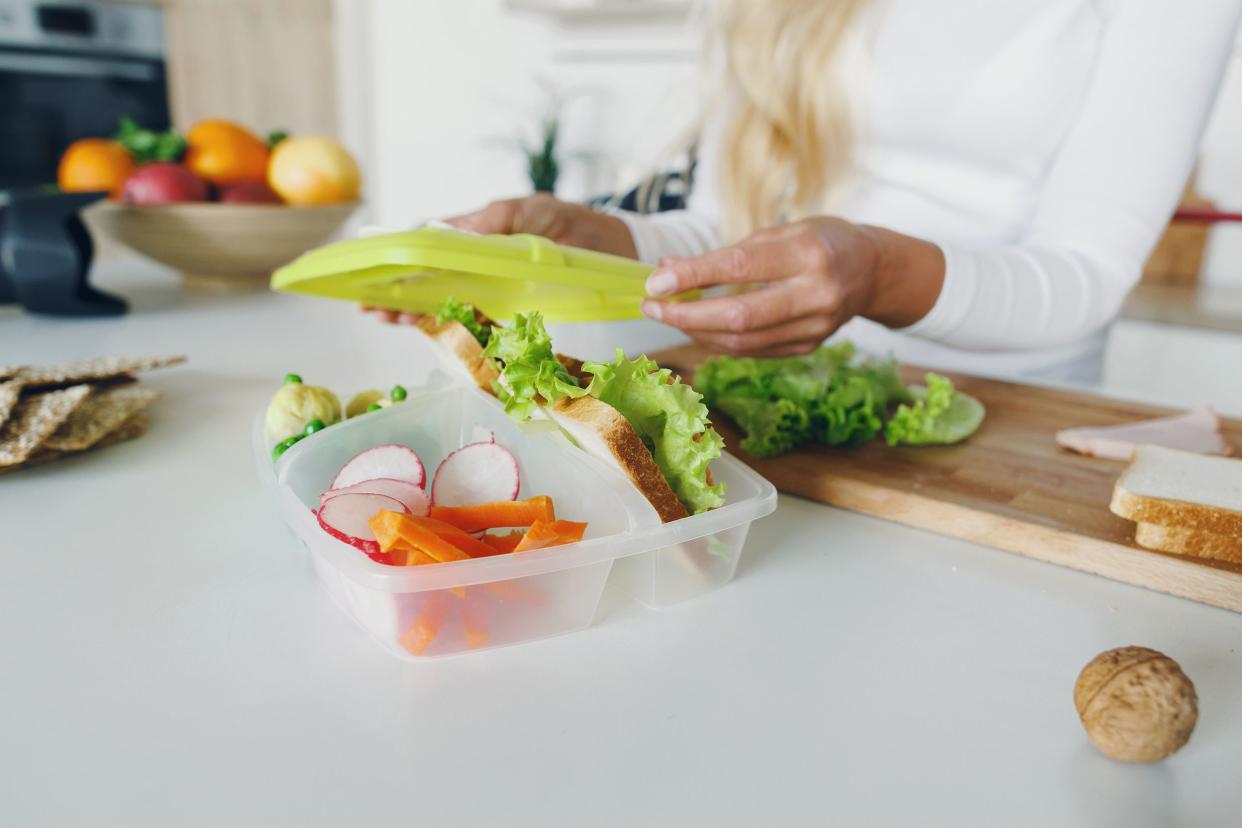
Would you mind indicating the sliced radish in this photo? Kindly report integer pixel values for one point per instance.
(393, 461)
(345, 517)
(477, 473)
(411, 496)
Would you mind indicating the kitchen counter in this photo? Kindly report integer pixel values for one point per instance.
(169, 658)
(1208, 307)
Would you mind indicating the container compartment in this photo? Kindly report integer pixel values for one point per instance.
(427, 611)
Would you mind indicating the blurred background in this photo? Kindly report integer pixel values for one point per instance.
(446, 105)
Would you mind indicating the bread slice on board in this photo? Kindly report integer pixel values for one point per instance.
(1182, 490)
(1189, 542)
(602, 432)
(462, 348)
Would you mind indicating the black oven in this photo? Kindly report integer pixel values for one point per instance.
(69, 71)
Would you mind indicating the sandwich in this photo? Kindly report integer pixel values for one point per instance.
(629, 413)
(459, 332)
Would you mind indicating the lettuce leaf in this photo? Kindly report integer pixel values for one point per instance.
(671, 420)
(772, 427)
(530, 374)
(843, 402)
(451, 310)
(941, 415)
(849, 413)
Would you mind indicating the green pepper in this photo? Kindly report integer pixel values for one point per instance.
(313, 426)
(374, 407)
(292, 378)
(397, 394)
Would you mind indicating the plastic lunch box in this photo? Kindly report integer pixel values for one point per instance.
(507, 599)
(414, 270)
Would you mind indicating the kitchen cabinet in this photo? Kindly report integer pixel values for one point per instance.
(270, 64)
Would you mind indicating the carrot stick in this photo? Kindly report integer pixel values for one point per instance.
(502, 544)
(403, 554)
(386, 526)
(474, 620)
(427, 625)
(495, 515)
(463, 540)
(393, 529)
(543, 534)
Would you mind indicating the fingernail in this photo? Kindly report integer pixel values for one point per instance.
(661, 283)
(652, 309)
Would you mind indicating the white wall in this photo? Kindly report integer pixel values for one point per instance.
(452, 83)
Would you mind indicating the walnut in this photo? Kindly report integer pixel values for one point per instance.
(1136, 704)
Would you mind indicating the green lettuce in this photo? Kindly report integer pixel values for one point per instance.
(772, 427)
(530, 374)
(941, 415)
(842, 401)
(451, 310)
(671, 420)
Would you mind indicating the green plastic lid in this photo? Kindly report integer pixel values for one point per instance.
(500, 275)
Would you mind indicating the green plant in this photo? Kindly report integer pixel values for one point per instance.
(541, 159)
(542, 148)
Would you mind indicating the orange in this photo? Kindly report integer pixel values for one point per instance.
(223, 152)
(94, 164)
(309, 171)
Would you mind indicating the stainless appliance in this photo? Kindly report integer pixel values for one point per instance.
(69, 71)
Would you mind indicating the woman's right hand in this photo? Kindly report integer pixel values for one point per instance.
(562, 222)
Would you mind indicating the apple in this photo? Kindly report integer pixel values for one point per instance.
(249, 192)
(163, 182)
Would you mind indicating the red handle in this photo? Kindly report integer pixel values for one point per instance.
(1203, 215)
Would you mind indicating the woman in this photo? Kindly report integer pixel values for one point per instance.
(963, 183)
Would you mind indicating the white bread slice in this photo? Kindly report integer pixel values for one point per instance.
(1181, 489)
(603, 432)
(461, 350)
(1192, 542)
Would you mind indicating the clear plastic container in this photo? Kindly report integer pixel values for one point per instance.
(441, 609)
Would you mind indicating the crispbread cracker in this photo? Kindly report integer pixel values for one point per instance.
(9, 393)
(99, 416)
(135, 426)
(93, 370)
(34, 420)
(9, 371)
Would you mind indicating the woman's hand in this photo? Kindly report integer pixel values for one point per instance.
(560, 221)
(808, 278)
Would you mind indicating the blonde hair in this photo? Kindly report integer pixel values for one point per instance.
(789, 133)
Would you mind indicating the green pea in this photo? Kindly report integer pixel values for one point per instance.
(374, 407)
(313, 426)
(397, 394)
(284, 445)
(292, 378)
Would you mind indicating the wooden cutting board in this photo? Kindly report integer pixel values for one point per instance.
(1009, 486)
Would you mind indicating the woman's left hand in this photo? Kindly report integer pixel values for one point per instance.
(809, 278)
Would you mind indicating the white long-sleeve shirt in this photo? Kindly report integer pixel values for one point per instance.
(1041, 144)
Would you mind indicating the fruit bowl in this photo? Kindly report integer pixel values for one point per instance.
(219, 242)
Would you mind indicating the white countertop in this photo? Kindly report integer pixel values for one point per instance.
(168, 658)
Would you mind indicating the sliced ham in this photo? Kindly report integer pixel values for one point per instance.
(1197, 431)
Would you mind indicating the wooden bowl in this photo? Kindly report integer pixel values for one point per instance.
(219, 242)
